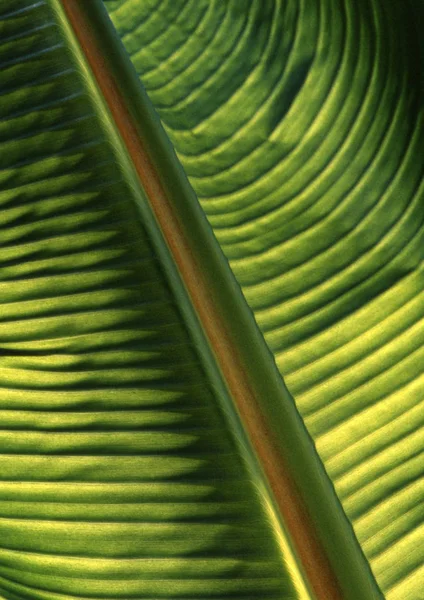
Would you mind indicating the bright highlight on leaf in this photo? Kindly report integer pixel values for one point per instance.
(149, 448)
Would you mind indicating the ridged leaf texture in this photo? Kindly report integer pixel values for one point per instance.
(300, 126)
(127, 469)
(119, 476)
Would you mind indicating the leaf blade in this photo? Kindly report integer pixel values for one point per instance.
(282, 169)
(91, 333)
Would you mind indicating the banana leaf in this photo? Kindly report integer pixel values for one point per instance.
(149, 446)
(300, 126)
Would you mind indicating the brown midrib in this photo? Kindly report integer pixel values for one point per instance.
(309, 550)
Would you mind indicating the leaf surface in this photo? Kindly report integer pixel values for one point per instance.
(121, 475)
(300, 126)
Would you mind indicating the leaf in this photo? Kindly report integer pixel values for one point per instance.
(121, 473)
(143, 453)
(300, 126)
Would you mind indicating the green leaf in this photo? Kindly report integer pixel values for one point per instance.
(300, 126)
(121, 474)
(149, 448)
